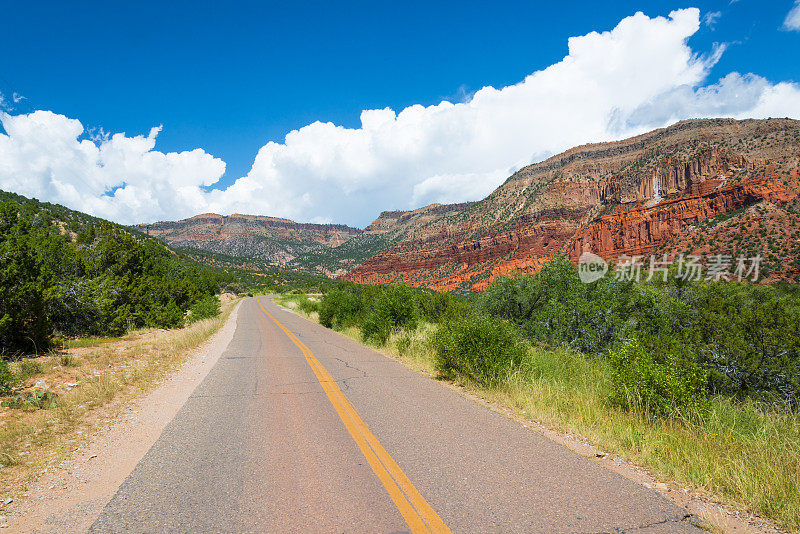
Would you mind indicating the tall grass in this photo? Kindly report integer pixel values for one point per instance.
(742, 452)
(91, 341)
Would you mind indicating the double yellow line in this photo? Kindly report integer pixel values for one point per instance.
(414, 508)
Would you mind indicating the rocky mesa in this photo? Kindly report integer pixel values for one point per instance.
(717, 186)
(273, 241)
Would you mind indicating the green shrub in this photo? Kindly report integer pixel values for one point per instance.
(399, 305)
(437, 307)
(554, 306)
(390, 308)
(377, 327)
(67, 360)
(309, 306)
(747, 336)
(340, 309)
(749, 339)
(477, 348)
(675, 386)
(26, 281)
(8, 380)
(204, 308)
(169, 316)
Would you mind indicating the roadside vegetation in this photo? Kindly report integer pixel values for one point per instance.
(59, 398)
(698, 381)
(77, 276)
(288, 283)
(91, 314)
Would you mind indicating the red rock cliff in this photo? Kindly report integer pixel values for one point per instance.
(627, 197)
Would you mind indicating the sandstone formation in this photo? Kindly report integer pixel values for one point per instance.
(632, 197)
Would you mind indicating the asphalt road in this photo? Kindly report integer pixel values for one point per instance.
(298, 429)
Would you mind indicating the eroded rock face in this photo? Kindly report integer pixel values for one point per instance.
(641, 230)
(629, 197)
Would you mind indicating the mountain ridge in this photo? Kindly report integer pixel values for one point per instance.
(635, 196)
(273, 241)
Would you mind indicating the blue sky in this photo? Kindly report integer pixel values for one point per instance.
(230, 77)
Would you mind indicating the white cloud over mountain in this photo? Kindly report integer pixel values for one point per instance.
(116, 177)
(638, 76)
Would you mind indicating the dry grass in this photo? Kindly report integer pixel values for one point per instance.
(93, 380)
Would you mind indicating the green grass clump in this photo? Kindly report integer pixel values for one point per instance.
(34, 400)
(8, 379)
(30, 368)
(68, 360)
(84, 342)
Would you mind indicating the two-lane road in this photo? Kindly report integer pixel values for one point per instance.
(299, 429)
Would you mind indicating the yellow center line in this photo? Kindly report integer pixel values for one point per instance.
(412, 506)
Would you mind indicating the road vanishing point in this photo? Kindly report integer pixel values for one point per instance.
(299, 429)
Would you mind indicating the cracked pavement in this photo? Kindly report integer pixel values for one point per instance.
(258, 447)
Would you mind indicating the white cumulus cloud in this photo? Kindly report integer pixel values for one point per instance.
(117, 177)
(792, 21)
(612, 84)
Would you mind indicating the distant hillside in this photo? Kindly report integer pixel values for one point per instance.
(70, 221)
(259, 242)
(706, 186)
(270, 241)
(389, 228)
